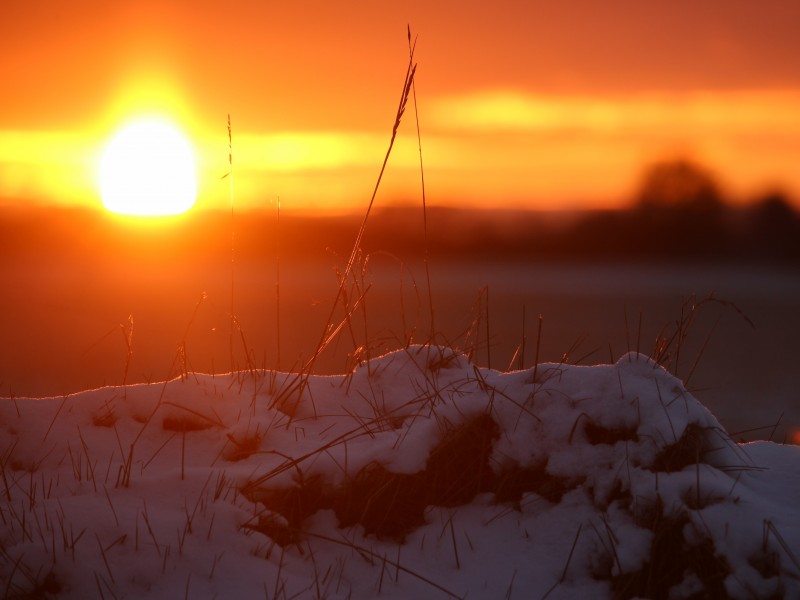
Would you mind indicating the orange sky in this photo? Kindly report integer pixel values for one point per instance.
(536, 104)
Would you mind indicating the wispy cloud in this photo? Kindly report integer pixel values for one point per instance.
(47, 165)
(734, 112)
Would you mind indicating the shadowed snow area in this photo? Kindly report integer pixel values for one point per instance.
(419, 475)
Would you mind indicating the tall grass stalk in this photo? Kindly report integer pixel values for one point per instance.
(325, 339)
(426, 259)
(524, 342)
(229, 175)
(488, 333)
(278, 285)
(538, 348)
(128, 335)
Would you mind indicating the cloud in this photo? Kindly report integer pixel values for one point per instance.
(47, 164)
(695, 113)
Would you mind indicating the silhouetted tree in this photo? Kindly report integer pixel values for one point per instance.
(679, 212)
(774, 226)
(679, 185)
(773, 210)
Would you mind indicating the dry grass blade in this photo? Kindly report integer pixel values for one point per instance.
(278, 285)
(233, 241)
(426, 259)
(366, 552)
(408, 82)
(566, 565)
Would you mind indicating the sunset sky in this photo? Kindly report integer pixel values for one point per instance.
(521, 103)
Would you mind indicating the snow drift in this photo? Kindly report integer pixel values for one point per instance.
(417, 475)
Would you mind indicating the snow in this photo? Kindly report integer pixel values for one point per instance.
(417, 475)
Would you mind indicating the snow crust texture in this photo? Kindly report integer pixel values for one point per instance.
(417, 475)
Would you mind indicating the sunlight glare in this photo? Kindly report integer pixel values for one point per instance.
(148, 168)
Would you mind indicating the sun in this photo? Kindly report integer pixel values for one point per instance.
(148, 168)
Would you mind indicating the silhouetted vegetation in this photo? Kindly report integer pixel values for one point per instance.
(679, 201)
(681, 186)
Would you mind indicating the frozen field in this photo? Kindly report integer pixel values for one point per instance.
(63, 323)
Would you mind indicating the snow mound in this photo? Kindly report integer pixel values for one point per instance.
(416, 475)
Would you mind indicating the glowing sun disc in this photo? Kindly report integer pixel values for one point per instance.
(148, 169)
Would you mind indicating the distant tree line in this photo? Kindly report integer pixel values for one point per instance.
(678, 214)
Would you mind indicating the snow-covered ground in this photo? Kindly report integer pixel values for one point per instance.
(419, 475)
